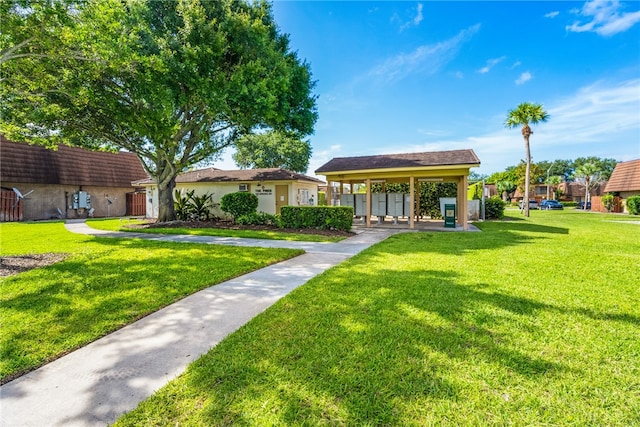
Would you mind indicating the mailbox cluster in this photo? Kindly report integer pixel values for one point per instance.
(382, 204)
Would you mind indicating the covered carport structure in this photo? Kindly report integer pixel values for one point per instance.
(434, 166)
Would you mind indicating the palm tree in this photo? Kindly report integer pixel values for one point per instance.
(525, 114)
(588, 175)
(553, 182)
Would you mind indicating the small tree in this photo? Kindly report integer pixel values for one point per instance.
(506, 189)
(553, 182)
(588, 176)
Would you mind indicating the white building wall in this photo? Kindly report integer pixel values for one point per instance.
(299, 194)
(303, 193)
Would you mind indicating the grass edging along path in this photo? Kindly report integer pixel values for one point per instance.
(102, 285)
(275, 234)
(531, 322)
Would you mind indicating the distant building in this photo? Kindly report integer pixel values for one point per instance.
(39, 183)
(625, 180)
(274, 187)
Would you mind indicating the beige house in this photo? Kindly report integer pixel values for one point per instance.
(39, 183)
(412, 168)
(274, 187)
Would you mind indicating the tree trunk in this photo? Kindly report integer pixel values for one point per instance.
(166, 210)
(586, 192)
(526, 132)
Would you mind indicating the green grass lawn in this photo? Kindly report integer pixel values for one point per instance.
(530, 322)
(122, 225)
(102, 285)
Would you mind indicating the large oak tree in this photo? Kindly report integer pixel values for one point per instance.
(174, 82)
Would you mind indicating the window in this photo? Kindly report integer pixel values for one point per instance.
(303, 197)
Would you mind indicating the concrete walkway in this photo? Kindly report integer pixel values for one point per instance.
(96, 384)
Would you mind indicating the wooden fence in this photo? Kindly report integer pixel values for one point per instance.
(136, 204)
(597, 206)
(10, 206)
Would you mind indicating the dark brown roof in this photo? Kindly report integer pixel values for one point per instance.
(625, 177)
(406, 160)
(244, 175)
(24, 163)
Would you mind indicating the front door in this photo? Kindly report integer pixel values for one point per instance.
(282, 196)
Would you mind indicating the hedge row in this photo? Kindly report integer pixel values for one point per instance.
(320, 217)
(633, 205)
(494, 208)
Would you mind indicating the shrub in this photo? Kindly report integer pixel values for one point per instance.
(259, 218)
(190, 207)
(321, 217)
(240, 203)
(607, 201)
(633, 205)
(494, 208)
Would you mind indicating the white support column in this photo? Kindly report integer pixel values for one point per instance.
(368, 202)
(412, 188)
(462, 202)
(418, 201)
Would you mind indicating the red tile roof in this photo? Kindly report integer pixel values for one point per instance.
(404, 160)
(24, 163)
(244, 175)
(625, 177)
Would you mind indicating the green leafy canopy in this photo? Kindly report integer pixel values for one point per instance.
(273, 150)
(174, 82)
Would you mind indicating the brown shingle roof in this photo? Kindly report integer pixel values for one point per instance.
(244, 175)
(625, 177)
(34, 164)
(405, 160)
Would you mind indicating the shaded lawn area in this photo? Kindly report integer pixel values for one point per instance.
(102, 285)
(530, 322)
(275, 234)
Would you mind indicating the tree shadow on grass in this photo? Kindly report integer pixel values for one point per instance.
(533, 228)
(348, 350)
(451, 243)
(76, 301)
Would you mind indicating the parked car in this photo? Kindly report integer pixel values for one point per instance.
(580, 205)
(550, 205)
(533, 204)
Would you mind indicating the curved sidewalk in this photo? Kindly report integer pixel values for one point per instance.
(96, 384)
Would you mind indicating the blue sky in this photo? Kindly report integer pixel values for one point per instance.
(395, 77)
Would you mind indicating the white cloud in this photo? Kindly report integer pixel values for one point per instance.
(604, 17)
(490, 64)
(427, 59)
(516, 64)
(319, 158)
(595, 112)
(417, 19)
(524, 77)
(552, 14)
